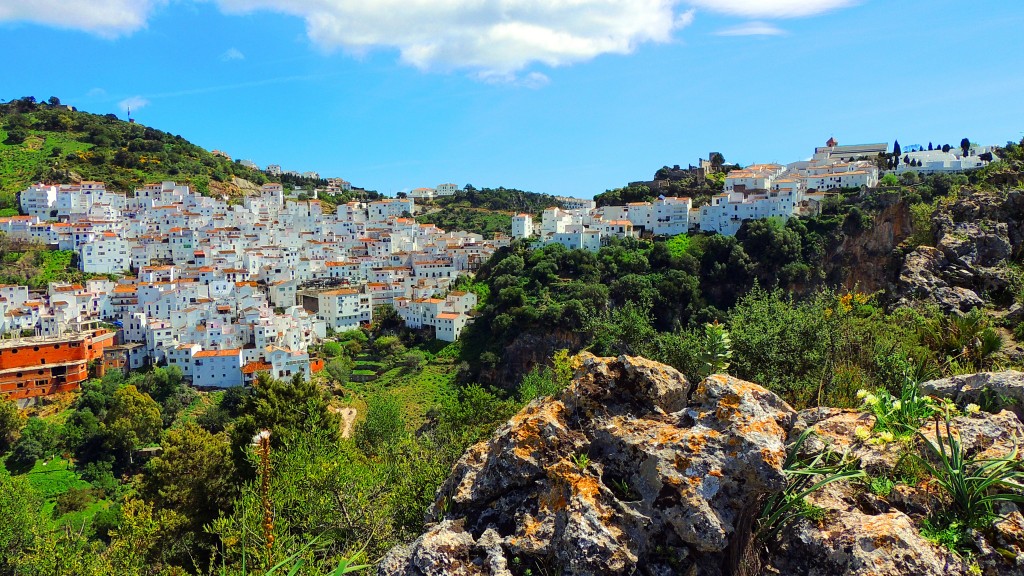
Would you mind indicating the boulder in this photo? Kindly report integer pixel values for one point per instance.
(990, 390)
(631, 468)
(976, 244)
(854, 543)
(928, 276)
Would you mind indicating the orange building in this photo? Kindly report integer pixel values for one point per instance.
(44, 365)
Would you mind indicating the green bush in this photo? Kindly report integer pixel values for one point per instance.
(331, 349)
(384, 424)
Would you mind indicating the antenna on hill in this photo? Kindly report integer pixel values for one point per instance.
(130, 120)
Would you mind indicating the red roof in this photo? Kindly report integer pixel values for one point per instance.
(256, 366)
(213, 353)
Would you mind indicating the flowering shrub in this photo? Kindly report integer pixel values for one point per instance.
(898, 417)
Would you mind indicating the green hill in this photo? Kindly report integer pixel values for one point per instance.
(56, 143)
(484, 210)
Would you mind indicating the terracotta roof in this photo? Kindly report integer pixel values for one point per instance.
(256, 366)
(214, 353)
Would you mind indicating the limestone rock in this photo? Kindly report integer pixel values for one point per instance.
(630, 468)
(1004, 389)
(852, 542)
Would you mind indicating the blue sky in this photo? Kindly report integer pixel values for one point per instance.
(558, 96)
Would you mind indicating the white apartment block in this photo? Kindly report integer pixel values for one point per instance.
(522, 226)
(447, 189)
(344, 309)
(107, 254)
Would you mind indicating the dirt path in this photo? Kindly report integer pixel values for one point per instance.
(348, 420)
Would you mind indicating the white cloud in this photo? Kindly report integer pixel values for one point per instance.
(494, 36)
(134, 103)
(771, 8)
(752, 29)
(106, 18)
(232, 54)
(498, 37)
(686, 18)
(96, 93)
(532, 80)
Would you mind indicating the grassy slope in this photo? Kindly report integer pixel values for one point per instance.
(418, 392)
(88, 146)
(20, 163)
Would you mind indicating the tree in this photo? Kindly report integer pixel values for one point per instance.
(20, 506)
(133, 420)
(896, 150)
(194, 475)
(930, 148)
(717, 160)
(946, 147)
(46, 435)
(10, 424)
(965, 145)
(53, 101)
(288, 409)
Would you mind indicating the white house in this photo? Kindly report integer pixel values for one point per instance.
(107, 254)
(447, 189)
(448, 326)
(217, 368)
(344, 309)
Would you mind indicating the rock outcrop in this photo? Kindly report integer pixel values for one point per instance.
(994, 390)
(975, 236)
(630, 468)
(634, 470)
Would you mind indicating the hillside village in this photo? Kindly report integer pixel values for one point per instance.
(225, 290)
(752, 193)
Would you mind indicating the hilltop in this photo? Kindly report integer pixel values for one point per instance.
(57, 143)
(483, 211)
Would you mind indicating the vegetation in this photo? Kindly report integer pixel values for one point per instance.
(805, 475)
(45, 141)
(487, 211)
(141, 475)
(36, 266)
(975, 486)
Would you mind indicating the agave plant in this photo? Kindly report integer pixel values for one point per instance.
(974, 485)
(805, 476)
(967, 341)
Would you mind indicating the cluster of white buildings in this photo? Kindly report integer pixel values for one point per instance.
(954, 160)
(439, 191)
(757, 191)
(226, 291)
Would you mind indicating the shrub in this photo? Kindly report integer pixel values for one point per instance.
(715, 350)
(900, 417)
(74, 500)
(384, 424)
(331, 349)
(965, 342)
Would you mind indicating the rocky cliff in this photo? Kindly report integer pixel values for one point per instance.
(975, 238)
(634, 470)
